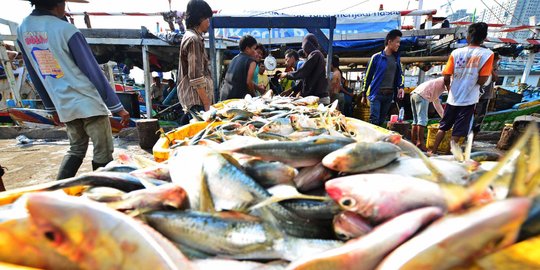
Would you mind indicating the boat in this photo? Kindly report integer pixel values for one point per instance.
(495, 121)
(40, 118)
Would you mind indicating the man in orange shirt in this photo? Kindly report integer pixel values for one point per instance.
(469, 68)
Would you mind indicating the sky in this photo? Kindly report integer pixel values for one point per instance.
(16, 10)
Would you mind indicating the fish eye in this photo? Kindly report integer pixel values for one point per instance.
(347, 202)
(342, 236)
(54, 237)
(49, 236)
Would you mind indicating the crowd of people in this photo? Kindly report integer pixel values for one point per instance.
(69, 80)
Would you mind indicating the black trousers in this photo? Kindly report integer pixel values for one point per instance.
(479, 114)
(189, 115)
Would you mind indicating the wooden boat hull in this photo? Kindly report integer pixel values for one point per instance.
(38, 118)
(495, 121)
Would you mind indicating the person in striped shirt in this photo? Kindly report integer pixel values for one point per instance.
(195, 84)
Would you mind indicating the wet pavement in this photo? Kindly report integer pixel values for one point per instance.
(38, 161)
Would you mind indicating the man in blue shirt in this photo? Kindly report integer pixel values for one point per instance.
(69, 80)
(384, 79)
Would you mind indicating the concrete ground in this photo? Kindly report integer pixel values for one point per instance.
(38, 161)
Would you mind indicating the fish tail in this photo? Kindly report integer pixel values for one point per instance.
(206, 203)
(487, 178)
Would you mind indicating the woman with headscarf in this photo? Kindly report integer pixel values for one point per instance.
(313, 72)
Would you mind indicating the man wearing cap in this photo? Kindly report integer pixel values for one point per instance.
(69, 80)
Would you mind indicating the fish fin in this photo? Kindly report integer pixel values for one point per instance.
(206, 204)
(147, 184)
(533, 171)
(139, 213)
(323, 140)
(201, 134)
(232, 160)
(456, 151)
(437, 176)
(455, 195)
(76, 190)
(468, 146)
(144, 162)
(483, 182)
(333, 106)
(534, 159)
(517, 184)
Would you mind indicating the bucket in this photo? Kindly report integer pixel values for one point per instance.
(361, 111)
(444, 146)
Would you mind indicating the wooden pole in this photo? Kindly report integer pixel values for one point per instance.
(147, 81)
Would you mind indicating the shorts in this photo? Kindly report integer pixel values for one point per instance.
(458, 117)
(419, 106)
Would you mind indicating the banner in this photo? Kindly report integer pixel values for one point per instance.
(354, 23)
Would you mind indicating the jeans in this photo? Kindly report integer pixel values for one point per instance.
(379, 107)
(419, 106)
(348, 111)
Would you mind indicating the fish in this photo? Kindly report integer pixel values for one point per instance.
(21, 245)
(522, 255)
(361, 156)
(267, 136)
(366, 132)
(302, 122)
(312, 177)
(306, 101)
(230, 188)
(480, 156)
(155, 198)
(379, 197)
(258, 123)
(348, 225)
(96, 237)
(225, 233)
(269, 174)
(531, 227)
(121, 181)
(236, 114)
(466, 236)
(103, 194)
(368, 251)
(302, 134)
(455, 172)
(312, 209)
(159, 172)
(280, 126)
(228, 264)
(302, 153)
(123, 168)
(232, 235)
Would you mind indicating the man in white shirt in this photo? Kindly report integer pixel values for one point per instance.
(469, 68)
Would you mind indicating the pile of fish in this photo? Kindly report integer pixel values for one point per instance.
(284, 183)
